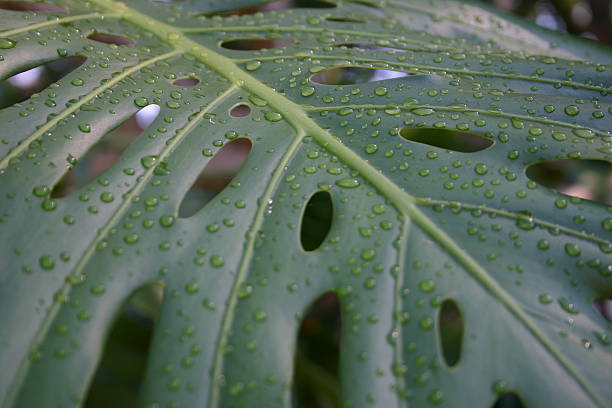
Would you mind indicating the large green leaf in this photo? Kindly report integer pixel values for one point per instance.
(412, 225)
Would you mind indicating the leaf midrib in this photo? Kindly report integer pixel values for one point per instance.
(403, 201)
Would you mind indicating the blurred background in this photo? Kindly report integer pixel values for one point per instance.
(586, 18)
(317, 383)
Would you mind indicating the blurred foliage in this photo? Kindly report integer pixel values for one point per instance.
(587, 18)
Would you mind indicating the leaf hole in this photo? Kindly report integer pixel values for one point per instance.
(218, 173)
(110, 39)
(105, 152)
(604, 307)
(369, 47)
(509, 399)
(355, 75)
(30, 6)
(449, 139)
(581, 178)
(345, 20)
(316, 379)
(316, 220)
(273, 6)
(450, 324)
(241, 110)
(189, 81)
(250, 44)
(366, 3)
(122, 367)
(23, 85)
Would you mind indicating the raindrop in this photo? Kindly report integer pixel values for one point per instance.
(217, 174)
(355, 75)
(22, 85)
(189, 81)
(240, 110)
(450, 324)
(110, 39)
(316, 381)
(30, 6)
(105, 152)
(509, 399)
(582, 178)
(248, 44)
(127, 346)
(316, 221)
(604, 308)
(449, 139)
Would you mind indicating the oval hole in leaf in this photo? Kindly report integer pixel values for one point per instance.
(105, 152)
(21, 86)
(450, 324)
(249, 44)
(344, 20)
(355, 75)
(449, 139)
(30, 6)
(582, 178)
(316, 381)
(217, 174)
(189, 81)
(509, 399)
(110, 39)
(241, 110)
(273, 6)
(316, 220)
(122, 367)
(604, 308)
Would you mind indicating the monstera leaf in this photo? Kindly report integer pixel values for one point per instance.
(410, 124)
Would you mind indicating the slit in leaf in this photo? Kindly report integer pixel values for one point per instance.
(582, 178)
(217, 174)
(273, 6)
(344, 20)
(105, 152)
(23, 85)
(30, 6)
(355, 75)
(448, 139)
(189, 81)
(110, 39)
(241, 110)
(366, 3)
(369, 47)
(316, 221)
(316, 380)
(250, 44)
(450, 323)
(509, 399)
(121, 370)
(604, 307)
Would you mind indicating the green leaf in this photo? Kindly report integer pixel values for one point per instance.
(415, 228)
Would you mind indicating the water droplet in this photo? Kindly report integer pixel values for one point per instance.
(572, 110)
(47, 262)
(272, 116)
(6, 43)
(148, 161)
(253, 65)
(307, 91)
(348, 183)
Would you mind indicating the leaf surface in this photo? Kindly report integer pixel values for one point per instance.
(413, 224)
